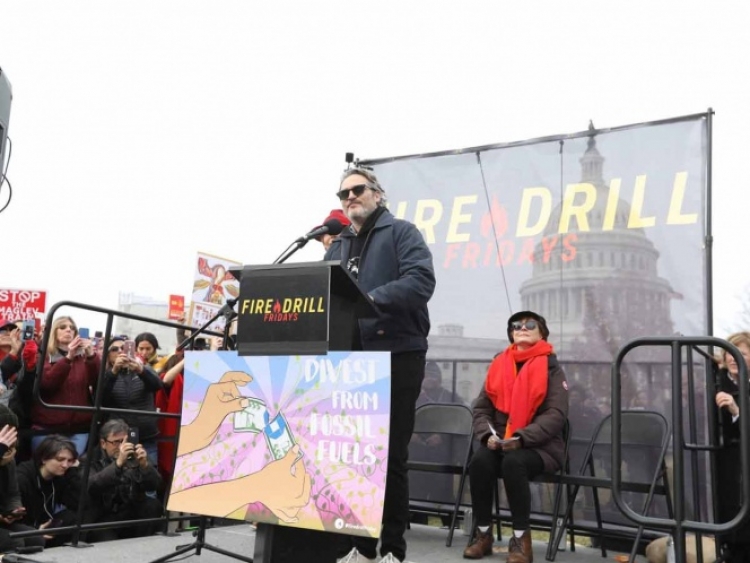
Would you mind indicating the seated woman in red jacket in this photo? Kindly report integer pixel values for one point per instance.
(71, 369)
(519, 418)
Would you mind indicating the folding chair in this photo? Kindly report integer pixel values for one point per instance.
(451, 421)
(643, 432)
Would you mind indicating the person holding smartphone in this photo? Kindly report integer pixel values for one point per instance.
(120, 477)
(12, 510)
(71, 369)
(18, 360)
(131, 383)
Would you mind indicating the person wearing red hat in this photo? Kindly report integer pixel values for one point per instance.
(519, 418)
(339, 216)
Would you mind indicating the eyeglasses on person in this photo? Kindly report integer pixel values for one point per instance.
(115, 442)
(116, 348)
(357, 190)
(528, 325)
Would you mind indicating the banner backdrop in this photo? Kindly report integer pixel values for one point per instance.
(601, 232)
(297, 440)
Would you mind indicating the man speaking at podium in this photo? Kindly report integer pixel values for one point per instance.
(392, 264)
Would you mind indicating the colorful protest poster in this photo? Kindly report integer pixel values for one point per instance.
(212, 286)
(17, 304)
(176, 307)
(292, 440)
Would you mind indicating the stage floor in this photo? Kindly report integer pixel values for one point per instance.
(426, 545)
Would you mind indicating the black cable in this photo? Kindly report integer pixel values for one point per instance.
(10, 193)
(4, 176)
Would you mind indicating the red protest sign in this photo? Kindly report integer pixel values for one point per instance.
(176, 307)
(16, 304)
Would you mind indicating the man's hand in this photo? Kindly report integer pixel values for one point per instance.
(126, 450)
(141, 456)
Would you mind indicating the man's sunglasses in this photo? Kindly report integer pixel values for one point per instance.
(116, 348)
(528, 325)
(357, 190)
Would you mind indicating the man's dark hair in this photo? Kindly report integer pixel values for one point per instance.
(51, 446)
(114, 426)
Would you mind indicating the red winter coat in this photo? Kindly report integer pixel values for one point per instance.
(66, 383)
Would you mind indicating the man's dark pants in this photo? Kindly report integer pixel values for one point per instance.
(407, 373)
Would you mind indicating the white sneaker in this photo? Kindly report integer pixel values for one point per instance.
(390, 559)
(355, 556)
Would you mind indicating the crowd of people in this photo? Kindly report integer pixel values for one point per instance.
(46, 451)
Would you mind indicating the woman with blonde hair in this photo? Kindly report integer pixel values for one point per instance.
(71, 369)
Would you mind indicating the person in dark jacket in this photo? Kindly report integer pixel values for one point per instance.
(119, 478)
(18, 360)
(11, 509)
(131, 383)
(519, 419)
(392, 264)
(71, 370)
(728, 462)
(50, 487)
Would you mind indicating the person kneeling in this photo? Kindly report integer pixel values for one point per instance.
(519, 417)
(119, 478)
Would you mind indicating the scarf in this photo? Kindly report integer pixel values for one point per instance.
(520, 394)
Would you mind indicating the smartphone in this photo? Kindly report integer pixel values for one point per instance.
(133, 435)
(98, 334)
(28, 329)
(83, 333)
(128, 348)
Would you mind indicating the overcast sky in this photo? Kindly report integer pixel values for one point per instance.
(144, 132)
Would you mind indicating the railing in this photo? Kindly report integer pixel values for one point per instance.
(98, 413)
(679, 524)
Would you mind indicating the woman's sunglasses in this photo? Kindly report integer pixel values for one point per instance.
(528, 325)
(357, 190)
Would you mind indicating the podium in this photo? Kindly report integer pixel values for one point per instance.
(307, 308)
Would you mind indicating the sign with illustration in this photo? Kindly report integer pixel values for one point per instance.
(294, 440)
(212, 286)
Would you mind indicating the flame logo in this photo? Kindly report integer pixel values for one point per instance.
(277, 307)
(498, 217)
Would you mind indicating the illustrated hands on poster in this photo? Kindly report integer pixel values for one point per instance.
(222, 398)
(283, 486)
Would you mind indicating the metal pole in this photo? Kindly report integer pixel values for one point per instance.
(709, 234)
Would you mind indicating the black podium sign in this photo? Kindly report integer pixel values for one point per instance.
(298, 309)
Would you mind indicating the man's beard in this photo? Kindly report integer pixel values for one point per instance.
(360, 214)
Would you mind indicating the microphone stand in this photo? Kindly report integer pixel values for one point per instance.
(291, 249)
(227, 311)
